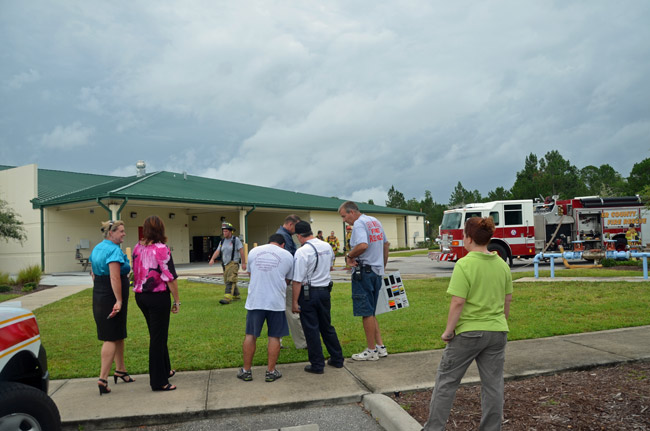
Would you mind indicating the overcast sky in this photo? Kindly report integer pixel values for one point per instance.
(335, 98)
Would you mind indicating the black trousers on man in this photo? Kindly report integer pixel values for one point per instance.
(156, 309)
(316, 322)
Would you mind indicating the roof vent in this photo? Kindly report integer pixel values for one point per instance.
(140, 167)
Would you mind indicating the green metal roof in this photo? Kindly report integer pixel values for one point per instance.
(59, 188)
(52, 184)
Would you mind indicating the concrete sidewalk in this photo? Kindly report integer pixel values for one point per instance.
(215, 393)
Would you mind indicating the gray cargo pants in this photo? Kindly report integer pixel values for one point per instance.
(489, 351)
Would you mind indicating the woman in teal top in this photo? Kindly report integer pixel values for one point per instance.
(477, 328)
(110, 272)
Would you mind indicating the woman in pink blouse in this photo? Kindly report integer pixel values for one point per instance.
(154, 277)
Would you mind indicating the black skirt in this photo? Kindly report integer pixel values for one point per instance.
(103, 301)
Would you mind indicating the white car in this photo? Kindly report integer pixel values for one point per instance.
(24, 378)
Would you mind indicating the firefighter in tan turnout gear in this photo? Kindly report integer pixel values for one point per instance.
(230, 249)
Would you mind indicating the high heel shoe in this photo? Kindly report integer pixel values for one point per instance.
(167, 387)
(124, 376)
(103, 389)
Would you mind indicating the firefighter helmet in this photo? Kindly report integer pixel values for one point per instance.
(226, 225)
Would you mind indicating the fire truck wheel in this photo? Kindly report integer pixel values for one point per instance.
(501, 251)
(23, 407)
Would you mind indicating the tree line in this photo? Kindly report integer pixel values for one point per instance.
(549, 176)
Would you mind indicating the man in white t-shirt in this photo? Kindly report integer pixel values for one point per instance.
(312, 285)
(270, 267)
(368, 256)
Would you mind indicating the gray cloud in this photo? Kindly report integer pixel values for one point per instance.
(16, 82)
(334, 99)
(67, 137)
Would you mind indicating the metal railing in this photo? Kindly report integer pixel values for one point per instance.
(610, 254)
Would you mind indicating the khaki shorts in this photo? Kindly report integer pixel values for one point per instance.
(230, 272)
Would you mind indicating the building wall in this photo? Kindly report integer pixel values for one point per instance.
(328, 221)
(415, 229)
(177, 229)
(65, 230)
(18, 186)
(262, 224)
(331, 221)
(399, 232)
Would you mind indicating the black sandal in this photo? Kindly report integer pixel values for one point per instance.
(103, 388)
(124, 376)
(172, 373)
(167, 387)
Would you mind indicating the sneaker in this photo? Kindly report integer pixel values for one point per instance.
(272, 376)
(366, 355)
(246, 376)
(381, 351)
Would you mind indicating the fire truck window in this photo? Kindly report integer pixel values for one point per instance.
(512, 214)
(470, 215)
(451, 221)
(495, 217)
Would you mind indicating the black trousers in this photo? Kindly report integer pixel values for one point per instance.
(156, 309)
(316, 322)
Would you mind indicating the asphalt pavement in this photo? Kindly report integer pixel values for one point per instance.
(321, 418)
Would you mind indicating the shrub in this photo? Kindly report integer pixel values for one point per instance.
(31, 274)
(28, 287)
(613, 262)
(5, 279)
(4, 288)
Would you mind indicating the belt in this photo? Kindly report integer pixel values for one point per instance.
(365, 268)
(319, 288)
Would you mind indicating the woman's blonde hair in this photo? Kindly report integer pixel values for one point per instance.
(110, 226)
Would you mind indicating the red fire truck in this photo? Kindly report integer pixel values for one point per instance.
(525, 228)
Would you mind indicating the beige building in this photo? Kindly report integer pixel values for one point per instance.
(62, 212)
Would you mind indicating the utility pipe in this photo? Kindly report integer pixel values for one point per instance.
(101, 204)
(578, 255)
(42, 241)
(246, 222)
(119, 210)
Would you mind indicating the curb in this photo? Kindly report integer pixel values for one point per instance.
(390, 415)
(309, 427)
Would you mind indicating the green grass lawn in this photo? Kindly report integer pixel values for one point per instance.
(206, 335)
(8, 297)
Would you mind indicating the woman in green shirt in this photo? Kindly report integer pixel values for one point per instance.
(477, 328)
